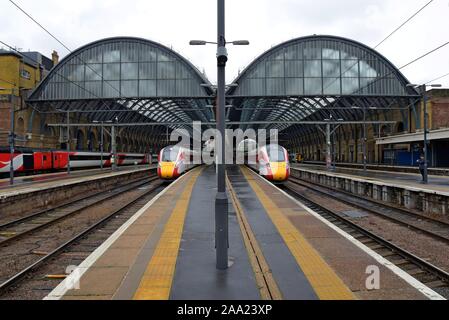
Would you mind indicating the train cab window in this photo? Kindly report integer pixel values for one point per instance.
(170, 154)
(275, 154)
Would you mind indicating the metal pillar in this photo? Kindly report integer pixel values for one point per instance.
(328, 147)
(11, 145)
(364, 139)
(333, 160)
(426, 116)
(101, 146)
(113, 149)
(68, 142)
(221, 200)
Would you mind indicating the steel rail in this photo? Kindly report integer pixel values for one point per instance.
(60, 206)
(433, 234)
(20, 235)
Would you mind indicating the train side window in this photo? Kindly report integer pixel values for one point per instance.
(45, 158)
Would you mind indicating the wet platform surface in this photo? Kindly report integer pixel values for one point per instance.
(196, 276)
(291, 280)
(166, 250)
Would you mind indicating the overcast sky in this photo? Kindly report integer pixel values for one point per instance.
(264, 23)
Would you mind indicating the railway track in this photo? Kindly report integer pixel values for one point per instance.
(435, 228)
(42, 232)
(423, 271)
(18, 228)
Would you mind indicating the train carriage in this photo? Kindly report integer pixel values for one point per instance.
(33, 161)
(273, 163)
(173, 161)
(270, 161)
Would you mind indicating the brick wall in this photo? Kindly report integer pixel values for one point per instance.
(440, 113)
(5, 122)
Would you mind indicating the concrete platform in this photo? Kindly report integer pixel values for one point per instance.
(382, 167)
(436, 183)
(39, 195)
(402, 189)
(166, 251)
(48, 179)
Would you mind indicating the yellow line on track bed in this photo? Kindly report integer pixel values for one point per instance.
(326, 283)
(158, 277)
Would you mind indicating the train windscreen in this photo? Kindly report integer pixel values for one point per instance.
(275, 154)
(170, 154)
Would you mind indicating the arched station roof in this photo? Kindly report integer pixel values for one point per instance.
(305, 79)
(140, 80)
(314, 77)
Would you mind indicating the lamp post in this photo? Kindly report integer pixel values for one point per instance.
(68, 142)
(68, 137)
(101, 140)
(101, 146)
(423, 91)
(221, 199)
(364, 139)
(11, 146)
(114, 159)
(328, 132)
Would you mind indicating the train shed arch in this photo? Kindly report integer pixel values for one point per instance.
(315, 78)
(129, 80)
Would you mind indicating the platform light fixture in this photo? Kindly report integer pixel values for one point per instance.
(214, 86)
(203, 42)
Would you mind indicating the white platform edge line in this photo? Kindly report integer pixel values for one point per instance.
(58, 292)
(375, 181)
(422, 288)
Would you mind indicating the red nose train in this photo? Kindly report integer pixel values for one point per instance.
(173, 161)
(270, 161)
(273, 163)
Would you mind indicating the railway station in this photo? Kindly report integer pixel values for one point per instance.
(320, 172)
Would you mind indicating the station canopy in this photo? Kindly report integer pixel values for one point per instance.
(304, 79)
(131, 79)
(315, 78)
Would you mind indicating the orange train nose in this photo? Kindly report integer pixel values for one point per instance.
(167, 170)
(279, 171)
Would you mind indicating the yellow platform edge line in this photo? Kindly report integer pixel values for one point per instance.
(157, 279)
(323, 279)
(265, 281)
